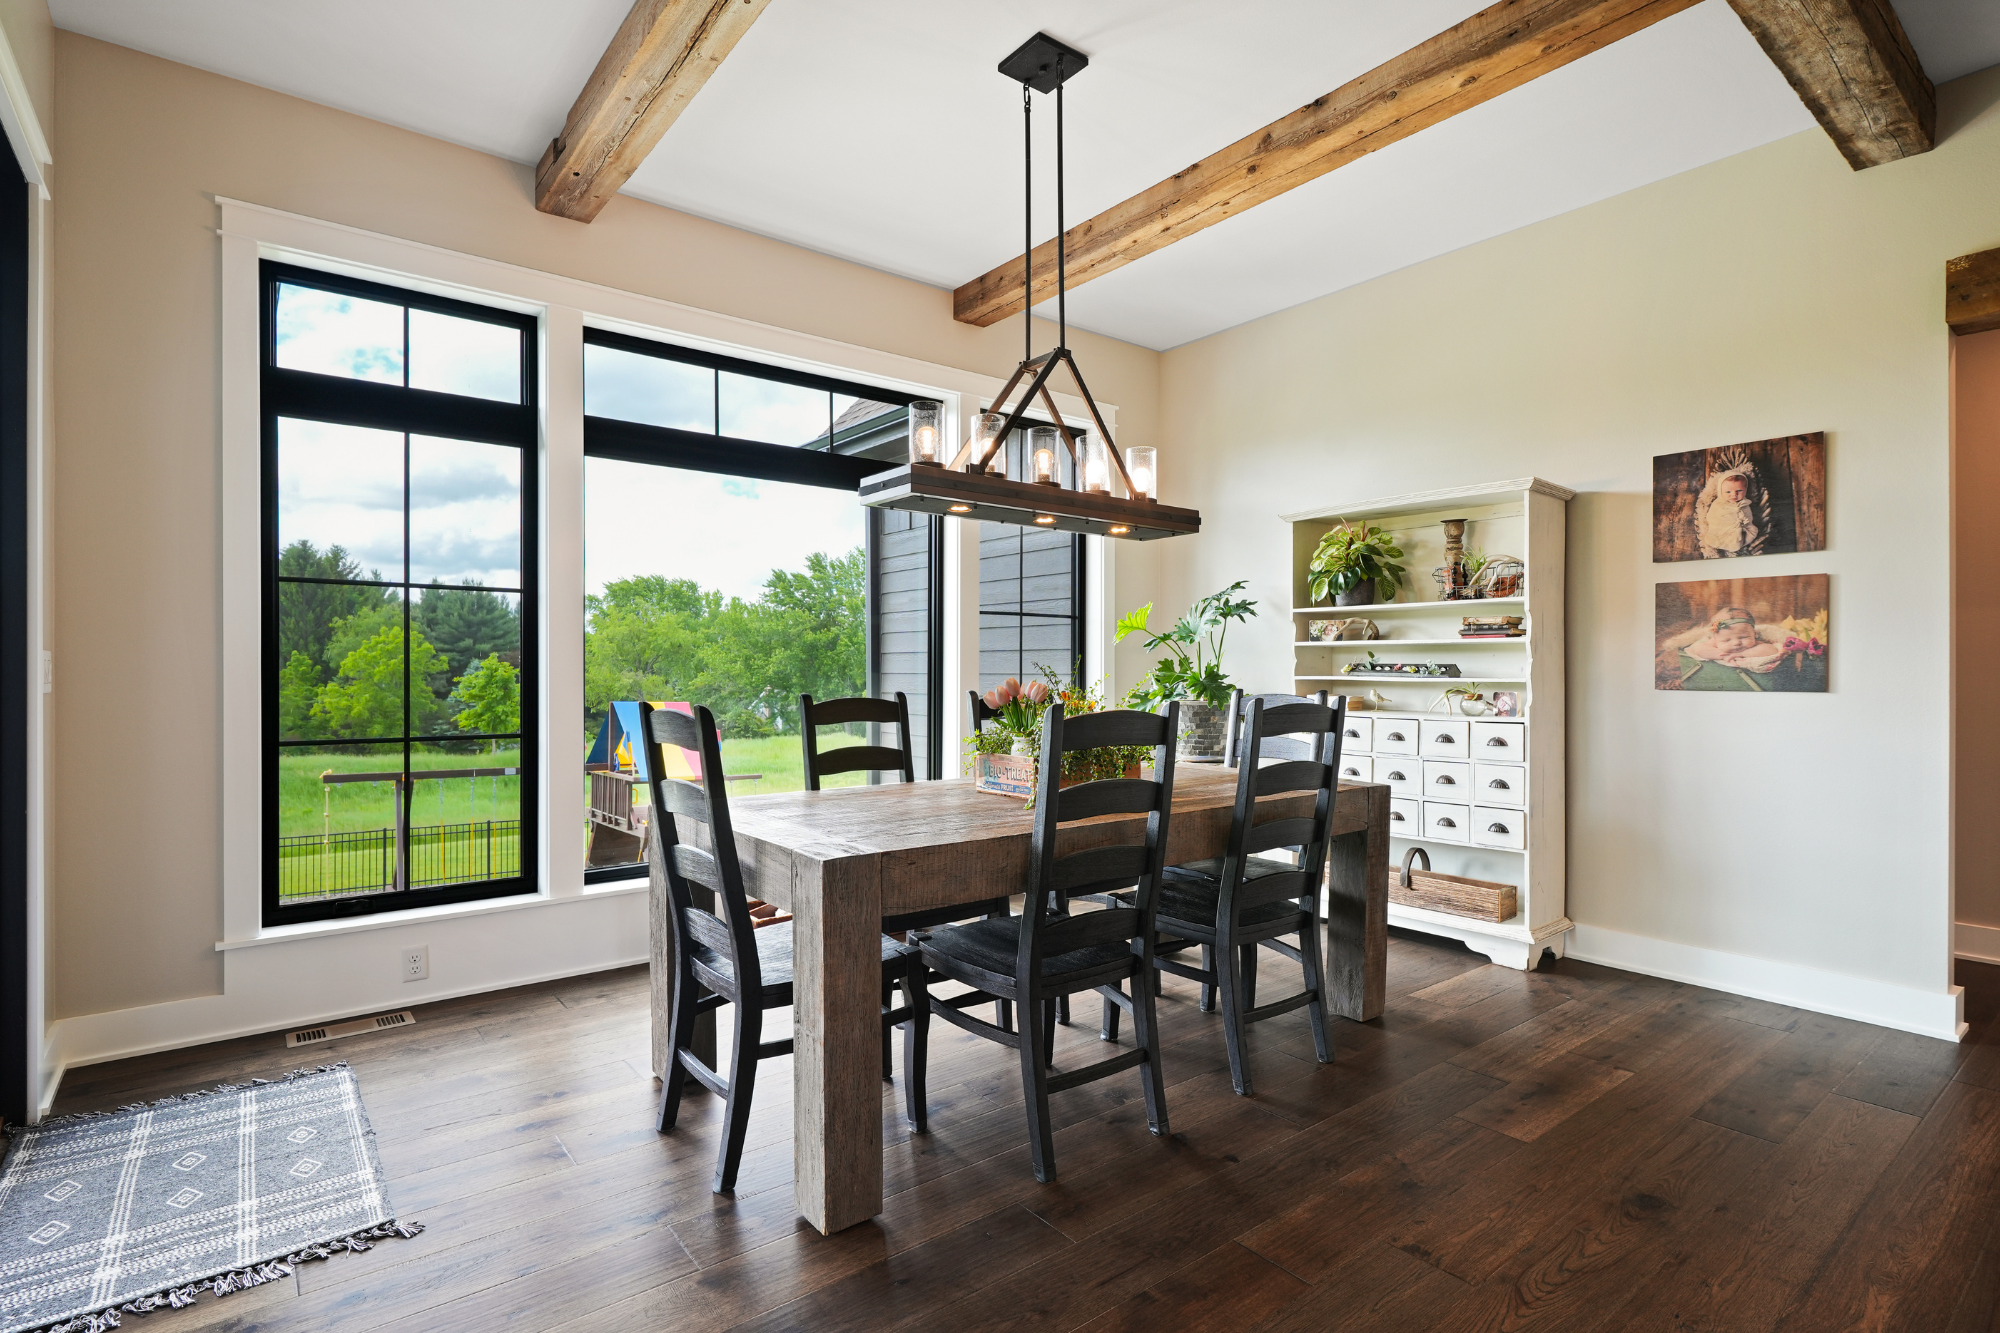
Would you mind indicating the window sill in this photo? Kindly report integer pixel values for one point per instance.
(421, 915)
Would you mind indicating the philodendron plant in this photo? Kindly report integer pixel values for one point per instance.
(1190, 666)
(1350, 555)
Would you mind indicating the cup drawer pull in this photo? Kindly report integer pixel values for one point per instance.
(1497, 828)
(1500, 741)
(1445, 780)
(1350, 772)
(1446, 738)
(1397, 777)
(1397, 736)
(1352, 734)
(1445, 821)
(1501, 783)
(1396, 817)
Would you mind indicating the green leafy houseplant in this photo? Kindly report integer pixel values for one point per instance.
(1191, 663)
(1349, 556)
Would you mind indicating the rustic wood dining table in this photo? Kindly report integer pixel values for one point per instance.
(840, 859)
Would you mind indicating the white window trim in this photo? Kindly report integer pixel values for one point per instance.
(250, 233)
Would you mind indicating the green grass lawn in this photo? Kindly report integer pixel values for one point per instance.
(307, 805)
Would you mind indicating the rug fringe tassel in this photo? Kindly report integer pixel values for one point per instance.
(238, 1279)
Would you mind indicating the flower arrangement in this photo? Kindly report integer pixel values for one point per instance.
(1804, 637)
(1015, 731)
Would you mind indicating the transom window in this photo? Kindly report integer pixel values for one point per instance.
(399, 431)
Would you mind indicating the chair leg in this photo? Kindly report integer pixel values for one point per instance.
(1003, 1015)
(888, 1035)
(1208, 987)
(1035, 1087)
(742, 1084)
(1315, 983)
(673, 1079)
(916, 1042)
(1062, 1010)
(1249, 952)
(1108, 1030)
(1229, 975)
(1051, 1010)
(1146, 1032)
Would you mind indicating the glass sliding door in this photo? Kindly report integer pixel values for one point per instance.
(728, 563)
(397, 428)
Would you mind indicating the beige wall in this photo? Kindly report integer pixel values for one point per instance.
(144, 144)
(1976, 612)
(1771, 293)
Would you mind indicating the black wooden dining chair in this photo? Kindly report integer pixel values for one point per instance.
(1240, 902)
(1275, 747)
(724, 959)
(881, 759)
(1049, 951)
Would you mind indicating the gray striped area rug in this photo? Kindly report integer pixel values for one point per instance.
(146, 1207)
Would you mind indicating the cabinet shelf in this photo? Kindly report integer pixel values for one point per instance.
(1445, 681)
(1336, 612)
(1372, 644)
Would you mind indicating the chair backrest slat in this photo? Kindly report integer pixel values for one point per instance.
(1276, 746)
(1049, 928)
(1275, 833)
(979, 710)
(856, 758)
(1109, 796)
(1289, 775)
(1116, 866)
(729, 930)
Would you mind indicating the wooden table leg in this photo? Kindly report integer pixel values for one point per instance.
(1357, 917)
(837, 1056)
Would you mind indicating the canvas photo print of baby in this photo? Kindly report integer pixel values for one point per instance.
(1754, 635)
(1766, 497)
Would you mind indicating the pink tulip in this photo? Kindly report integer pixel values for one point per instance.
(1035, 692)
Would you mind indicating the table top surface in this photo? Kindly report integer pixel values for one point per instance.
(861, 821)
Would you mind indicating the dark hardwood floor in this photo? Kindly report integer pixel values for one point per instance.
(1568, 1149)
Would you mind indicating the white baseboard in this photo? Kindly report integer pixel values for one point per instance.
(1979, 943)
(329, 977)
(1931, 1013)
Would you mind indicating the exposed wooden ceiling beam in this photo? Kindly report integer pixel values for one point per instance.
(1972, 292)
(663, 53)
(1853, 66)
(1502, 46)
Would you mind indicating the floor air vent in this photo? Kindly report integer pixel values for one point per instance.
(402, 1018)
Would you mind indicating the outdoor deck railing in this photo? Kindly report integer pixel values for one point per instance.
(364, 861)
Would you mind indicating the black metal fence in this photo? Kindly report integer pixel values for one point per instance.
(328, 865)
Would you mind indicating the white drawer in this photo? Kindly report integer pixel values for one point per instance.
(1403, 777)
(1395, 735)
(1500, 784)
(1406, 818)
(1495, 827)
(1357, 768)
(1500, 741)
(1445, 822)
(1446, 781)
(1358, 735)
(1446, 739)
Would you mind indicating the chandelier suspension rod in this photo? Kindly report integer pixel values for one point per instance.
(1062, 266)
(1028, 223)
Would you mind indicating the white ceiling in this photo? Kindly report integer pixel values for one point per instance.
(879, 131)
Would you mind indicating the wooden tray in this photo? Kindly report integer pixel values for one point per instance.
(1480, 899)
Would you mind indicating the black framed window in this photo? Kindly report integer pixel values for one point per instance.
(399, 445)
(728, 562)
(1030, 588)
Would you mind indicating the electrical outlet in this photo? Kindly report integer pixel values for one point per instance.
(417, 963)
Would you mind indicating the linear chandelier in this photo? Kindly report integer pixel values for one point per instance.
(975, 483)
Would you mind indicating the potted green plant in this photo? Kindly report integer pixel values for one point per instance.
(1190, 666)
(1353, 563)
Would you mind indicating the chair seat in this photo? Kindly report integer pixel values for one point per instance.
(941, 916)
(994, 945)
(1193, 891)
(774, 955)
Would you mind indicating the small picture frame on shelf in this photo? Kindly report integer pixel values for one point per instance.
(1506, 703)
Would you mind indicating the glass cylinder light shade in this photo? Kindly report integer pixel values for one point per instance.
(1042, 445)
(1096, 466)
(989, 451)
(926, 430)
(1142, 463)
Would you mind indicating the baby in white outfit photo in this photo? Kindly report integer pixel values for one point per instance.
(1729, 523)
